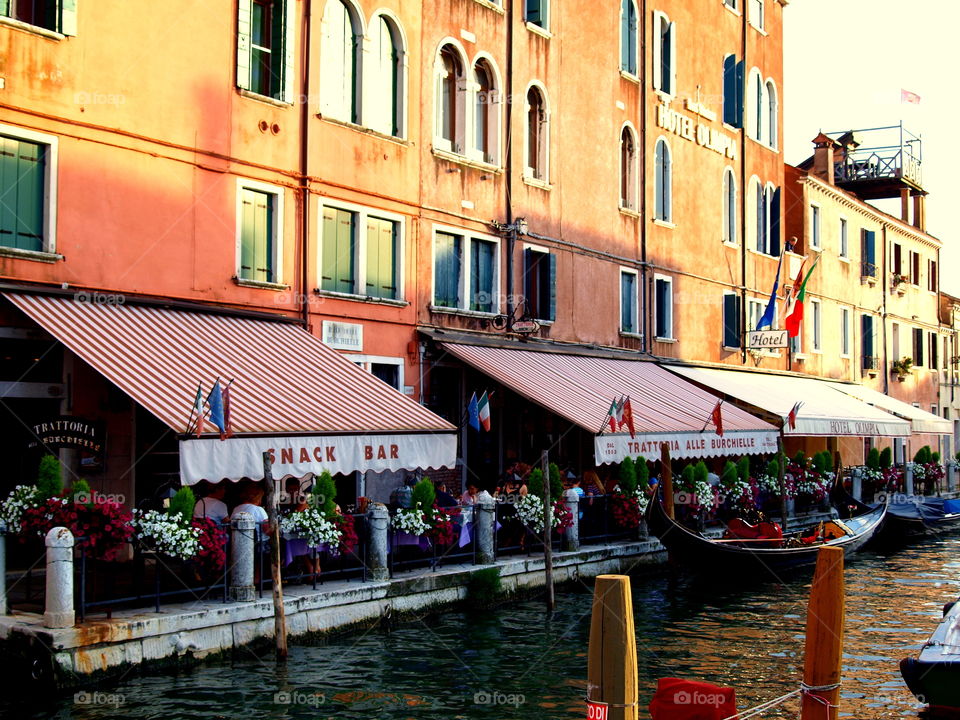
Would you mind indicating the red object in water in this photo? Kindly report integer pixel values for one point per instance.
(741, 529)
(678, 699)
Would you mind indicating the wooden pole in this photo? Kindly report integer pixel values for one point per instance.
(279, 616)
(547, 530)
(666, 479)
(823, 656)
(781, 463)
(612, 655)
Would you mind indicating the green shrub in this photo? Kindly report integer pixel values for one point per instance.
(773, 468)
(729, 476)
(743, 468)
(822, 461)
(935, 457)
(484, 587)
(556, 484)
(425, 494)
(628, 475)
(535, 483)
(688, 479)
(800, 459)
(50, 476)
(886, 458)
(80, 492)
(924, 455)
(324, 494)
(643, 473)
(182, 504)
(873, 459)
(700, 472)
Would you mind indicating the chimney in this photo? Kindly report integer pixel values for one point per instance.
(823, 157)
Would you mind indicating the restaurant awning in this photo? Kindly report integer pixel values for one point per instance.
(921, 421)
(825, 411)
(290, 393)
(665, 408)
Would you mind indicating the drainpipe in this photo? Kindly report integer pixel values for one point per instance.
(644, 288)
(512, 235)
(304, 296)
(743, 192)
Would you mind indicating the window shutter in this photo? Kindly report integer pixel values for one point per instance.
(730, 90)
(553, 286)
(68, 16)
(535, 11)
(869, 247)
(741, 74)
(28, 165)
(288, 74)
(373, 257)
(731, 320)
(671, 78)
(866, 330)
(328, 262)
(5, 8)
(346, 252)
(528, 289)
(244, 12)
(657, 64)
(775, 224)
(247, 232)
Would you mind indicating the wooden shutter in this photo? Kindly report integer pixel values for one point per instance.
(381, 258)
(731, 320)
(247, 233)
(552, 314)
(328, 260)
(730, 90)
(29, 177)
(68, 17)
(288, 75)
(657, 63)
(244, 12)
(775, 224)
(866, 331)
(482, 254)
(535, 11)
(671, 78)
(5, 8)
(345, 279)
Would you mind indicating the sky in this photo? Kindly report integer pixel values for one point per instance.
(845, 63)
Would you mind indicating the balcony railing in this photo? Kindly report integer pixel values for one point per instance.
(882, 153)
(870, 362)
(868, 269)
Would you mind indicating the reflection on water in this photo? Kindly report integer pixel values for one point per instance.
(516, 664)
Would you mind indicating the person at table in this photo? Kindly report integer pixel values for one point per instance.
(251, 502)
(295, 499)
(474, 494)
(444, 499)
(211, 505)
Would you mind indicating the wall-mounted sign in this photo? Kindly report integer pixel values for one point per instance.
(343, 336)
(690, 129)
(525, 326)
(70, 432)
(767, 339)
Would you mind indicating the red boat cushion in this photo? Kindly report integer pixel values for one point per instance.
(678, 699)
(739, 528)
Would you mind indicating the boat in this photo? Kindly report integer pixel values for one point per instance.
(930, 516)
(934, 675)
(769, 552)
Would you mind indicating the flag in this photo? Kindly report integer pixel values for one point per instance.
(227, 424)
(198, 409)
(717, 417)
(792, 416)
(909, 97)
(473, 413)
(795, 318)
(483, 410)
(626, 416)
(215, 401)
(614, 415)
(770, 314)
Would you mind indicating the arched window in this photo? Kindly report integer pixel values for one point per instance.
(385, 78)
(768, 219)
(664, 54)
(755, 106)
(486, 103)
(732, 91)
(770, 116)
(449, 129)
(663, 182)
(538, 135)
(340, 62)
(628, 169)
(729, 206)
(761, 218)
(628, 37)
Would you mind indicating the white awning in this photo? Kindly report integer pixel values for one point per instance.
(920, 420)
(825, 410)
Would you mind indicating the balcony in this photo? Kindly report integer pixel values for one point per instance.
(870, 364)
(879, 162)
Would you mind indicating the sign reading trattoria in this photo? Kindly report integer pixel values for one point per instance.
(69, 432)
(767, 339)
(691, 129)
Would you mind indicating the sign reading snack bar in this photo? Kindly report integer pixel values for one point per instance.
(70, 432)
(614, 448)
(238, 458)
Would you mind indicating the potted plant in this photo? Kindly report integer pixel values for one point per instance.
(902, 368)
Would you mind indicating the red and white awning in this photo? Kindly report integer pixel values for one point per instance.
(287, 386)
(665, 407)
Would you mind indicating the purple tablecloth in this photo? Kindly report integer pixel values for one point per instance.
(405, 538)
(295, 547)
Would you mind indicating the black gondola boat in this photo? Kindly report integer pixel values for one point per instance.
(729, 556)
(930, 516)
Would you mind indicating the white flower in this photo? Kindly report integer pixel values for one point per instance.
(410, 520)
(530, 511)
(311, 525)
(168, 535)
(642, 500)
(20, 499)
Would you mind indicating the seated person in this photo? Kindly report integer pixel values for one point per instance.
(444, 499)
(211, 505)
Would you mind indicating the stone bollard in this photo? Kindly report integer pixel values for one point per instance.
(58, 612)
(484, 524)
(856, 483)
(378, 521)
(908, 479)
(242, 548)
(571, 536)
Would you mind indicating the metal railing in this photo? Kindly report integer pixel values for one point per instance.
(407, 552)
(597, 522)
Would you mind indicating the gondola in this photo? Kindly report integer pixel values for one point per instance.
(934, 675)
(930, 517)
(731, 555)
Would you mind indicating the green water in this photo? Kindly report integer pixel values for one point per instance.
(515, 663)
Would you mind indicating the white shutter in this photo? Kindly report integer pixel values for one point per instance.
(68, 17)
(289, 45)
(244, 11)
(331, 59)
(657, 48)
(672, 34)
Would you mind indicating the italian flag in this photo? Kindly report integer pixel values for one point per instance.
(483, 407)
(613, 416)
(795, 316)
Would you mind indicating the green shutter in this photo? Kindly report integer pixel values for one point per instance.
(345, 277)
(5, 8)
(552, 315)
(68, 17)
(247, 232)
(22, 176)
(8, 198)
(481, 275)
(381, 258)
(446, 271)
(328, 259)
(244, 12)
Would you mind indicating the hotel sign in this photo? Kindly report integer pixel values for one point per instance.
(690, 128)
(767, 339)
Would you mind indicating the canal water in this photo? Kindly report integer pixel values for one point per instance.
(514, 663)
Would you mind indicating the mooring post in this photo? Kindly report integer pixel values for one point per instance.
(279, 614)
(571, 536)
(242, 541)
(378, 522)
(485, 526)
(3, 568)
(823, 654)
(612, 654)
(58, 609)
(666, 479)
(856, 482)
(547, 531)
(908, 480)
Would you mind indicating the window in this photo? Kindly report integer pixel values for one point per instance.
(914, 268)
(449, 130)
(934, 348)
(663, 182)
(770, 116)
(758, 14)
(732, 91)
(729, 206)
(815, 321)
(465, 272)
(628, 37)
(755, 102)
(868, 253)
(663, 307)
(735, 4)
(55, 15)
(360, 252)
(867, 343)
(537, 12)
(895, 340)
(664, 54)
(385, 78)
(629, 320)
(265, 48)
(388, 369)
(896, 254)
(946, 354)
(538, 135)
(918, 347)
(258, 232)
(731, 320)
(540, 283)
(932, 279)
(767, 205)
(340, 57)
(486, 115)
(845, 332)
(815, 227)
(28, 193)
(844, 240)
(628, 169)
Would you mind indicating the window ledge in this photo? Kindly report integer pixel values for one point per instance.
(363, 129)
(664, 223)
(537, 183)
(372, 299)
(728, 348)
(464, 160)
(461, 311)
(733, 10)
(242, 282)
(665, 340)
(38, 256)
(844, 259)
(547, 323)
(628, 334)
(629, 212)
(537, 30)
(761, 253)
(32, 29)
(799, 357)
(731, 128)
(664, 96)
(758, 28)
(730, 244)
(631, 77)
(263, 98)
(769, 147)
(490, 6)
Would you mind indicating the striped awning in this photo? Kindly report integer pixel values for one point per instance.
(921, 421)
(665, 408)
(285, 384)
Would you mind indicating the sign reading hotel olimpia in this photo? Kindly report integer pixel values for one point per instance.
(691, 129)
(70, 432)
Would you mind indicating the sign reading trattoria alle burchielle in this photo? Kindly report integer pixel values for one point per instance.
(70, 432)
